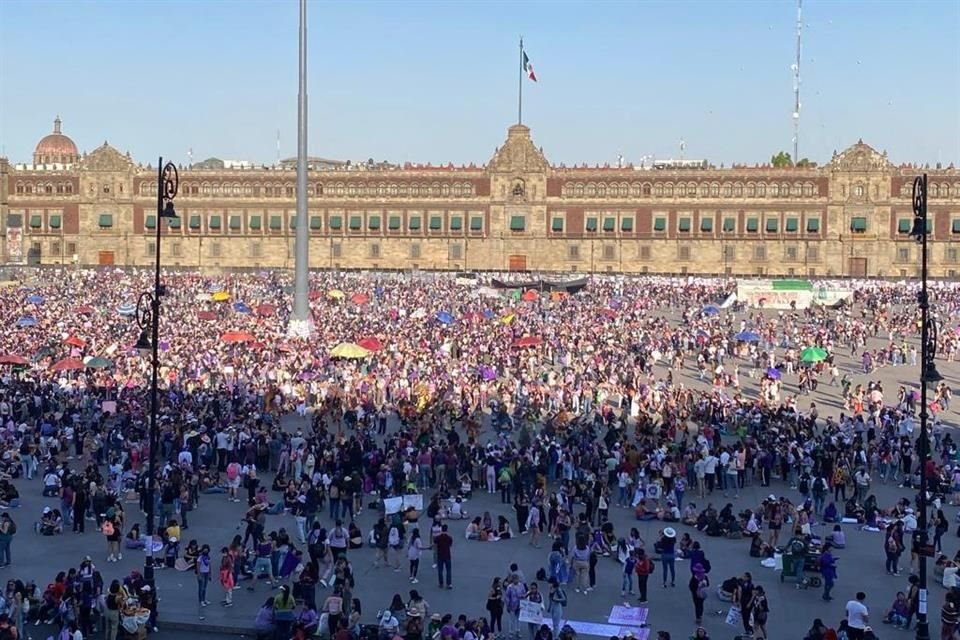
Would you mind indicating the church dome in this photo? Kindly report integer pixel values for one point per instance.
(56, 148)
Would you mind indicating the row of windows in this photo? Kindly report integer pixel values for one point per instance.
(288, 190)
(934, 190)
(372, 223)
(685, 224)
(690, 190)
(47, 188)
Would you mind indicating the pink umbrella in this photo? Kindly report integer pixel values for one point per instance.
(370, 343)
(67, 364)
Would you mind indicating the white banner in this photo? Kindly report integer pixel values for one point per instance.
(531, 612)
(402, 503)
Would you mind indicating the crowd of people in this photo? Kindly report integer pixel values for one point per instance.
(567, 405)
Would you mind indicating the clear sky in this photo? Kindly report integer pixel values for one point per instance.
(437, 81)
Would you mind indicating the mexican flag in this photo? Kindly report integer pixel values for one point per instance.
(528, 67)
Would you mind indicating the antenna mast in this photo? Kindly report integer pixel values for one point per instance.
(796, 88)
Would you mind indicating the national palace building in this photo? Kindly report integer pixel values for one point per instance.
(850, 217)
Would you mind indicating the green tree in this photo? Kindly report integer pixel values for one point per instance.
(806, 162)
(781, 160)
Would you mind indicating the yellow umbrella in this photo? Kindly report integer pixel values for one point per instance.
(507, 319)
(221, 296)
(336, 294)
(349, 350)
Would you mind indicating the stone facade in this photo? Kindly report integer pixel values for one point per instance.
(850, 217)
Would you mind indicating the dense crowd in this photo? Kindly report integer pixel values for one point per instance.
(588, 411)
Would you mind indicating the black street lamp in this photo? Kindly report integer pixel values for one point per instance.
(928, 375)
(148, 319)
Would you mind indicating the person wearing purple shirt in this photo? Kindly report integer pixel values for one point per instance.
(828, 569)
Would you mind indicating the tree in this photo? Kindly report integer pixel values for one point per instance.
(806, 162)
(781, 160)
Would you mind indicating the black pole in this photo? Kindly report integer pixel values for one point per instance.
(926, 360)
(148, 318)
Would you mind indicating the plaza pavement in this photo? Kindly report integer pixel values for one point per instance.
(475, 563)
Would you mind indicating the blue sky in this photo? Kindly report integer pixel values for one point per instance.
(437, 81)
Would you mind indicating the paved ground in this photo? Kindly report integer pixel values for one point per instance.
(792, 610)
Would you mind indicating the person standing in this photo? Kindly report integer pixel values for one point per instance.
(8, 529)
(858, 616)
(444, 545)
(744, 597)
(761, 608)
(668, 544)
(414, 551)
(227, 576)
(558, 600)
(828, 570)
(699, 590)
(203, 577)
(644, 568)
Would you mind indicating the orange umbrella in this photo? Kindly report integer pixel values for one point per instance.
(206, 315)
(360, 298)
(530, 295)
(528, 341)
(237, 336)
(11, 359)
(74, 341)
(266, 310)
(67, 364)
(370, 343)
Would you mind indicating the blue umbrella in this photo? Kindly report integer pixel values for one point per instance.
(378, 292)
(127, 309)
(27, 321)
(241, 307)
(214, 287)
(444, 317)
(488, 314)
(34, 299)
(748, 336)
(773, 374)
(711, 310)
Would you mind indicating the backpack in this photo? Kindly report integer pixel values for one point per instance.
(393, 538)
(892, 545)
(702, 591)
(107, 528)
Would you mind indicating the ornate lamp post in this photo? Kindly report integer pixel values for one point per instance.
(148, 319)
(928, 375)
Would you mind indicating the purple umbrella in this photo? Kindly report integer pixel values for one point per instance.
(773, 374)
(487, 373)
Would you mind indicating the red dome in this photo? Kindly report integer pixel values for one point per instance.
(55, 148)
(56, 144)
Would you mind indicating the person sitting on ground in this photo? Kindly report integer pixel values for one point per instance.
(830, 514)
(837, 539)
(51, 522)
(474, 529)
(690, 514)
(759, 548)
(669, 513)
(642, 512)
(355, 536)
(133, 538)
(899, 611)
(817, 630)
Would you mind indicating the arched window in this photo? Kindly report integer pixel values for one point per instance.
(602, 190)
(456, 189)
(668, 190)
(635, 190)
(692, 190)
(237, 189)
(761, 190)
(945, 190)
(578, 190)
(435, 189)
(658, 190)
(859, 191)
(404, 188)
(704, 190)
(774, 190)
(340, 189)
(784, 190)
(468, 189)
(414, 189)
(393, 189)
(205, 188)
(591, 190)
(646, 189)
(715, 189)
(352, 189)
(737, 190)
(727, 190)
(69, 187)
(807, 189)
(751, 190)
(445, 189)
(796, 189)
(20, 188)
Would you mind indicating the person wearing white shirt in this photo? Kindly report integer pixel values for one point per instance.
(857, 617)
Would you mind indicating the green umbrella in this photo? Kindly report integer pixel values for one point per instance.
(813, 354)
(98, 363)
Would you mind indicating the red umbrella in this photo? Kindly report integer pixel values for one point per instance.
(206, 315)
(237, 336)
(74, 341)
(528, 341)
(360, 298)
(266, 310)
(84, 309)
(316, 295)
(257, 345)
(11, 359)
(370, 343)
(67, 364)
(530, 295)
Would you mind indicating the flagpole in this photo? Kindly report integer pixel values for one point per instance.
(520, 86)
